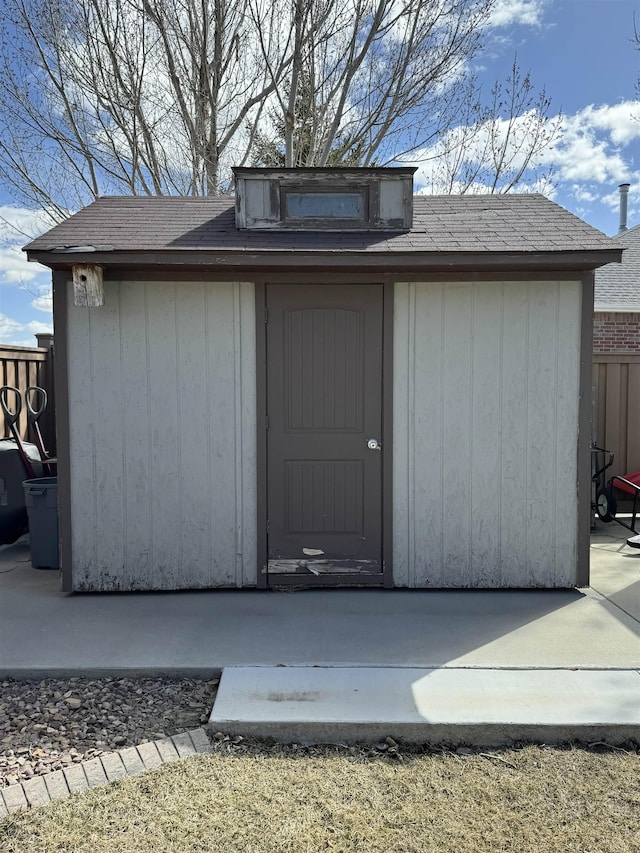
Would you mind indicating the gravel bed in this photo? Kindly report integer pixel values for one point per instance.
(48, 724)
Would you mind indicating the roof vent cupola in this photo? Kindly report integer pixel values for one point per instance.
(324, 199)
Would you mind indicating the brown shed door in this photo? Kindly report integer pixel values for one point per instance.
(324, 405)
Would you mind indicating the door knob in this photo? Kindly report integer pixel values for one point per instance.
(374, 444)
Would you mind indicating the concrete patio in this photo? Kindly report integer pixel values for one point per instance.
(573, 655)
(43, 631)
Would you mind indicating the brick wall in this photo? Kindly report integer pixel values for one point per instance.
(616, 333)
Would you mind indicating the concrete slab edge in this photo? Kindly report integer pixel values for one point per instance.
(38, 674)
(106, 768)
(431, 734)
(23, 673)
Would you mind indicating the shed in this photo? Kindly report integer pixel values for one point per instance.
(327, 382)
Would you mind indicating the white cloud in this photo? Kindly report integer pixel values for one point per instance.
(612, 199)
(44, 302)
(621, 121)
(590, 154)
(14, 266)
(21, 334)
(17, 226)
(583, 194)
(591, 145)
(509, 12)
(21, 223)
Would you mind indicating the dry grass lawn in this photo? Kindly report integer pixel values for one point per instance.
(257, 800)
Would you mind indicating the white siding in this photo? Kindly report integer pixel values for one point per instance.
(163, 437)
(486, 379)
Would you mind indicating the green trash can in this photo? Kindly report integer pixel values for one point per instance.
(41, 499)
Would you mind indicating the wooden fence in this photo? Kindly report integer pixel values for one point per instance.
(24, 366)
(616, 381)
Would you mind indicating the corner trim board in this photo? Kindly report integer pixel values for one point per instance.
(61, 378)
(584, 432)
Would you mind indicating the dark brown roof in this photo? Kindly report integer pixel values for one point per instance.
(449, 224)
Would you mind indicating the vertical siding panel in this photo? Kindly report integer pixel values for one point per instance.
(247, 545)
(81, 444)
(513, 419)
(135, 409)
(238, 436)
(164, 436)
(602, 405)
(612, 409)
(456, 434)
(633, 419)
(483, 423)
(617, 383)
(485, 417)
(106, 377)
(403, 468)
(542, 415)
(428, 394)
(22, 382)
(567, 426)
(485, 497)
(598, 407)
(624, 409)
(412, 546)
(195, 472)
(11, 374)
(222, 340)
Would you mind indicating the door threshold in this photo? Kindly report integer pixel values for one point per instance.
(308, 581)
(322, 567)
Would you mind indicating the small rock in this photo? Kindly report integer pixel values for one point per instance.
(55, 723)
(464, 750)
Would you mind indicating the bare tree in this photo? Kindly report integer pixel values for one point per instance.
(496, 145)
(163, 96)
(126, 96)
(383, 75)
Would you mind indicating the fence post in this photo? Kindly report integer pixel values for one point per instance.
(48, 421)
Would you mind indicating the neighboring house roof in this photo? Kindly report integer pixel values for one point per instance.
(618, 285)
(164, 229)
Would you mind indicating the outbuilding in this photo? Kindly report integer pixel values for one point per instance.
(328, 382)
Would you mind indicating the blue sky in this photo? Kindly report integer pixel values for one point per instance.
(580, 50)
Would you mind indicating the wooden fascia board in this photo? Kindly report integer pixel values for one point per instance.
(247, 259)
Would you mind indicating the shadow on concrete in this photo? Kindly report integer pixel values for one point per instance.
(45, 631)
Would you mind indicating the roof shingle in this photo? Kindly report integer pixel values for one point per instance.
(618, 285)
(487, 223)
